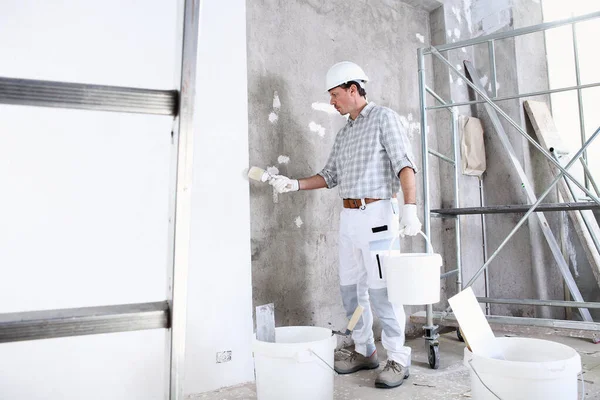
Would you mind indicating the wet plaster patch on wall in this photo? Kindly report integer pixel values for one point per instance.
(318, 129)
(412, 127)
(273, 116)
(324, 107)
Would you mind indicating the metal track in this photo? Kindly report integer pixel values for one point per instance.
(27, 92)
(34, 325)
(517, 208)
(522, 325)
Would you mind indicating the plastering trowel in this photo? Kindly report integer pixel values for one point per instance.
(474, 327)
(353, 321)
(265, 323)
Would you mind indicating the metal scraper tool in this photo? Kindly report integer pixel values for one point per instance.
(353, 321)
(265, 323)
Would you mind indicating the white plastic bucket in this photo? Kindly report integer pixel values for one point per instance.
(532, 369)
(412, 278)
(298, 366)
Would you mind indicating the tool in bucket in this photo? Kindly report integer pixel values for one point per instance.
(353, 321)
(265, 323)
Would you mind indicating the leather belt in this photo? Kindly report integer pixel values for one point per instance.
(356, 203)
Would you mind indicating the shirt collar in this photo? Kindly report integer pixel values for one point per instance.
(363, 113)
(367, 110)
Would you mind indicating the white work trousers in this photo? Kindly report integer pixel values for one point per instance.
(362, 280)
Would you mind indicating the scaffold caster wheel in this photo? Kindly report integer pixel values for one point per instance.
(459, 335)
(434, 356)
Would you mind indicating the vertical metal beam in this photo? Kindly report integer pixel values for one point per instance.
(179, 222)
(579, 97)
(492, 55)
(425, 161)
(589, 176)
(486, 278)
(455, 144)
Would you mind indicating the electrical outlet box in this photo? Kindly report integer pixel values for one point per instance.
(223, 356)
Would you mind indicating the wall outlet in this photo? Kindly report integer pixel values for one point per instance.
(223, 356)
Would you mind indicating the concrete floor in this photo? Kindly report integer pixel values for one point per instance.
(450, 381)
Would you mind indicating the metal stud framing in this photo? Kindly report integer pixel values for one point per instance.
(170, 314)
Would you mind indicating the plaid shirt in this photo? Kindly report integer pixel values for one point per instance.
(368, 154)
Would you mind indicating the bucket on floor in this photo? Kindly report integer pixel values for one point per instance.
(412, 278)
(298, 366)
(532, 369)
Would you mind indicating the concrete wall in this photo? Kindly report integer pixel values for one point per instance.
(291, 44)
(85, 210)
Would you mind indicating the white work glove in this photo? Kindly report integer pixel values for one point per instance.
(283, 184)
(409, 223)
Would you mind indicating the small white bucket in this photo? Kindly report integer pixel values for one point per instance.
(532, 369)
(412, 278)
(298, 366)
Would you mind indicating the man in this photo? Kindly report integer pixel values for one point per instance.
(370, 159)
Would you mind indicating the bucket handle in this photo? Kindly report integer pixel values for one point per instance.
(421, 233)
(323, 361)
(480, 380)
(498, 397)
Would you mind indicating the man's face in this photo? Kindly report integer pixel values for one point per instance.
(340, 98)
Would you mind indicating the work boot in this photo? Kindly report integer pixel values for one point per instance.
(393, 375)
(347, 362)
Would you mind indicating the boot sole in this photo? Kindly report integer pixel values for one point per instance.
(382, 385)
(356, 369)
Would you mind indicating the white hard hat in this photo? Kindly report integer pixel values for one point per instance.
(343, 72)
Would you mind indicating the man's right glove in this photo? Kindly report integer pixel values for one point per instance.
(283, 184)
(409, 223)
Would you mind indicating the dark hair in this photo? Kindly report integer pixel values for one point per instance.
(360, 89)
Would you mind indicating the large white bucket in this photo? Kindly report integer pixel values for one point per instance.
(412, 278)
(298, 366)
(532, 369)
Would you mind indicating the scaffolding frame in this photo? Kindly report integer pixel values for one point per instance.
(170, 314)
(586, 328)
